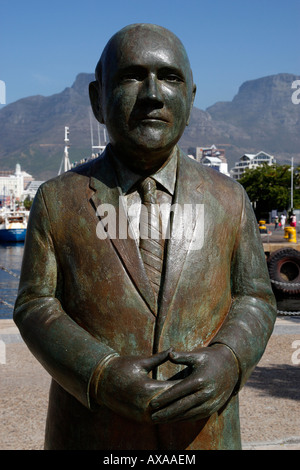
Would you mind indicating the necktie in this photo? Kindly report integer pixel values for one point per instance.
(151, 242)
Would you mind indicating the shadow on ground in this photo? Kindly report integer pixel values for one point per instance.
(280, 381)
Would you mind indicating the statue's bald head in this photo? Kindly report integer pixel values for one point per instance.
(143, 92)
(130, 35)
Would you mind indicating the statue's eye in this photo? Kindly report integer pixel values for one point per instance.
(173, 78)
(133, 74)
(170, 76)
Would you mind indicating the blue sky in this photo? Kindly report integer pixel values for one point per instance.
(45, 44)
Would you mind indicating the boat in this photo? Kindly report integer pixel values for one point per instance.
(13, 226)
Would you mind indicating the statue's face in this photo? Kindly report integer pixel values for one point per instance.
(147, 94)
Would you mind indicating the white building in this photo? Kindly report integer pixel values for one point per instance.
(216, 163)
(210, 156)
(11, 184)
(249, 160)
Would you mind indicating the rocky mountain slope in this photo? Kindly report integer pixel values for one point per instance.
(260, 117)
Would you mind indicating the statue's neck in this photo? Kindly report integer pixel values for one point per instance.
(141, 164)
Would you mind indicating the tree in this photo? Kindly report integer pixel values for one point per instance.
(27, 203)
(269, 187)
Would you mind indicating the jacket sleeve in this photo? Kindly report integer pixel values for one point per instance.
(67, 351)
(250, 321)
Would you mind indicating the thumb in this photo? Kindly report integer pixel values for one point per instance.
(185, 358)
(149, 363)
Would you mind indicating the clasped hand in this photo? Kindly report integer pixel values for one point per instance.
(127, 389)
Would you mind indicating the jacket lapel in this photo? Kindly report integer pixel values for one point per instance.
(106, 194)
(186, 233)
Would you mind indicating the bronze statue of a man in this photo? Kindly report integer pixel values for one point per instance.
(148, 338)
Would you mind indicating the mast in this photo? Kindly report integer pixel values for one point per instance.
(292, 184)
(65, 163)
(98, 147)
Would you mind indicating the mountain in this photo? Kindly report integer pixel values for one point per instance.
(260, 117)
(264, 110)
(32, 129)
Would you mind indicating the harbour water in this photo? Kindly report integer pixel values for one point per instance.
(10, 265)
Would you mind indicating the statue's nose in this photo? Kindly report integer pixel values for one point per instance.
(151, 89)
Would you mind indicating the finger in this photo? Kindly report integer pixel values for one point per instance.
(182, 409)
(155, 387)
(194, 414)
(184, 386)
(149, 363)
(180, 390)
(196, 406)
(185, 358)
(159, 385)
(199, 412)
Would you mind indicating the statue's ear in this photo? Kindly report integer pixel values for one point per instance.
(192, 103)
(96, 100)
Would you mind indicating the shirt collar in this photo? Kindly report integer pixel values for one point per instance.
(166, 176)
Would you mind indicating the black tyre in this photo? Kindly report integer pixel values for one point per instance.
(284, 267)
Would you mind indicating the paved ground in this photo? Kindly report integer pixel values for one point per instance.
(269, 403)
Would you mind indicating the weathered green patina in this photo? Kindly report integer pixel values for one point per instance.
(130, 371)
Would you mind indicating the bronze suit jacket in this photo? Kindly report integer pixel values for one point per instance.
(82, 297)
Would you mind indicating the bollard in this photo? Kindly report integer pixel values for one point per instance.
(262, 227)
(286, 232)
(292, 237)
